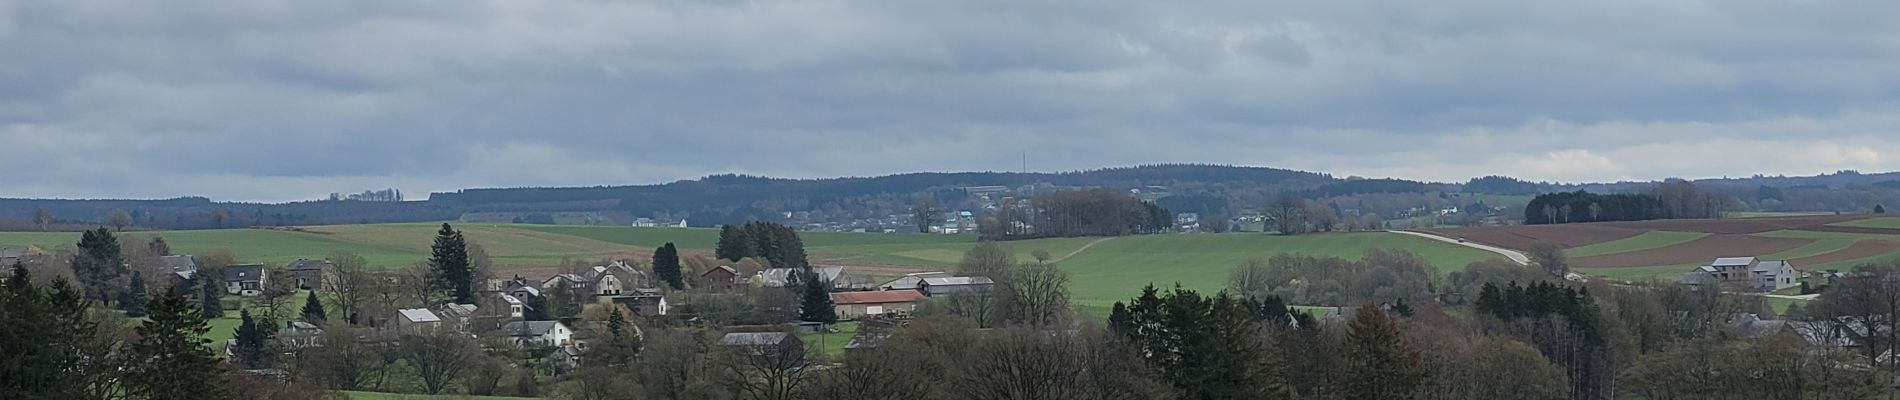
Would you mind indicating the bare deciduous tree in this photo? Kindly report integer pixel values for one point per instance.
(437, 357)
(348, 286)
(773, 371)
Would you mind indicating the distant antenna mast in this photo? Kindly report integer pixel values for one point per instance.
(1025, 161)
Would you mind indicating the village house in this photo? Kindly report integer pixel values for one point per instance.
(299, 335)
(309, 273)
(516, 307)
(643, 302)
(183, 269)
(244, 279)
(719, 278)
(538, 333)
(955, 285)
(1742, 273)
(608, 280)
(416, 321)
(852, 305)
(781, 277)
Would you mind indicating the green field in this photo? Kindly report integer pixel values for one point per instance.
(1771, 214)
(1881, 222)
(1114, 270)
(1103, 270)
(1667, 273)
(1645, 241)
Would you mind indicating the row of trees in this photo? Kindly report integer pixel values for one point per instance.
(1673, 199)
(1096, 212)
(778, 244)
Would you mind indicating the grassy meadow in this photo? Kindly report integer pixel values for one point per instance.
(1103, 270)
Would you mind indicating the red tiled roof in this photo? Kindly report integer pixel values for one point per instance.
(883, 296)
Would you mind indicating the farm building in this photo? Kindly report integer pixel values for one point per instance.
(1743, 273)
(955, 285)
(910, 281)
(245, 279)
(851, 305)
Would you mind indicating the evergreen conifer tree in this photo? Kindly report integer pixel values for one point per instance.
(732, 244)
(170, 360)
(252, 337)
(134, 298)
(666, 265)
(1380, 362)
(210, 292)
(98, 264)
(449, 259)
(816, 305)
(313, 310)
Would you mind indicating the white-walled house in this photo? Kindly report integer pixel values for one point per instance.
(538, 333)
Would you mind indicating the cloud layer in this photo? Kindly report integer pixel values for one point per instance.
(284, 100)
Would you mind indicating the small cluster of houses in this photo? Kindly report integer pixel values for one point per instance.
(1742, 274)
(249, 279)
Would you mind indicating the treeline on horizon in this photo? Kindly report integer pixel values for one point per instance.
(735, 199)
(1674, 199)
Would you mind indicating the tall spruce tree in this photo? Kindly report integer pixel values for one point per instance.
(666, 264)
(132, 301)
(171, 359)
(1206, 347)
(732, 244)
(313, 310)
(449, 259)
(210, 284)
(98, 264)
(252, 347)
(815, 304)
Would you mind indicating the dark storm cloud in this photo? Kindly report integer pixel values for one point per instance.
(281, 100)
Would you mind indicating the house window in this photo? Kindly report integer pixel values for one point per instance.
(874, 310)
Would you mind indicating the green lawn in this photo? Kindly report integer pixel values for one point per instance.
(829, 345)
(1645, 241)
(402, 396)
(1115, 270)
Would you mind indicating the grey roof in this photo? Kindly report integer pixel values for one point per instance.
(181, 263)
(418, 315)
(1758, 328)
(510, 299)
(308, 265)
(458, 309)
(957, 280)
(300, 325)
(529, 328)
(1733, 261)
(910, 281)
(243, 272)
(753, 338)
(1770, 266)
(778, 277)
(12, 252)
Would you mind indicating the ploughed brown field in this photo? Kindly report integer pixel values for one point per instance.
(1860, 249)
(1695, 251)
(1728, 238)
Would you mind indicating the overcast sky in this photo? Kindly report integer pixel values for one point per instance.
(286, 100)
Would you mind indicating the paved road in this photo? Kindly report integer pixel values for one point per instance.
(1514, 255)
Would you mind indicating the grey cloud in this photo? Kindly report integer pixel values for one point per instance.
(283, 100)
